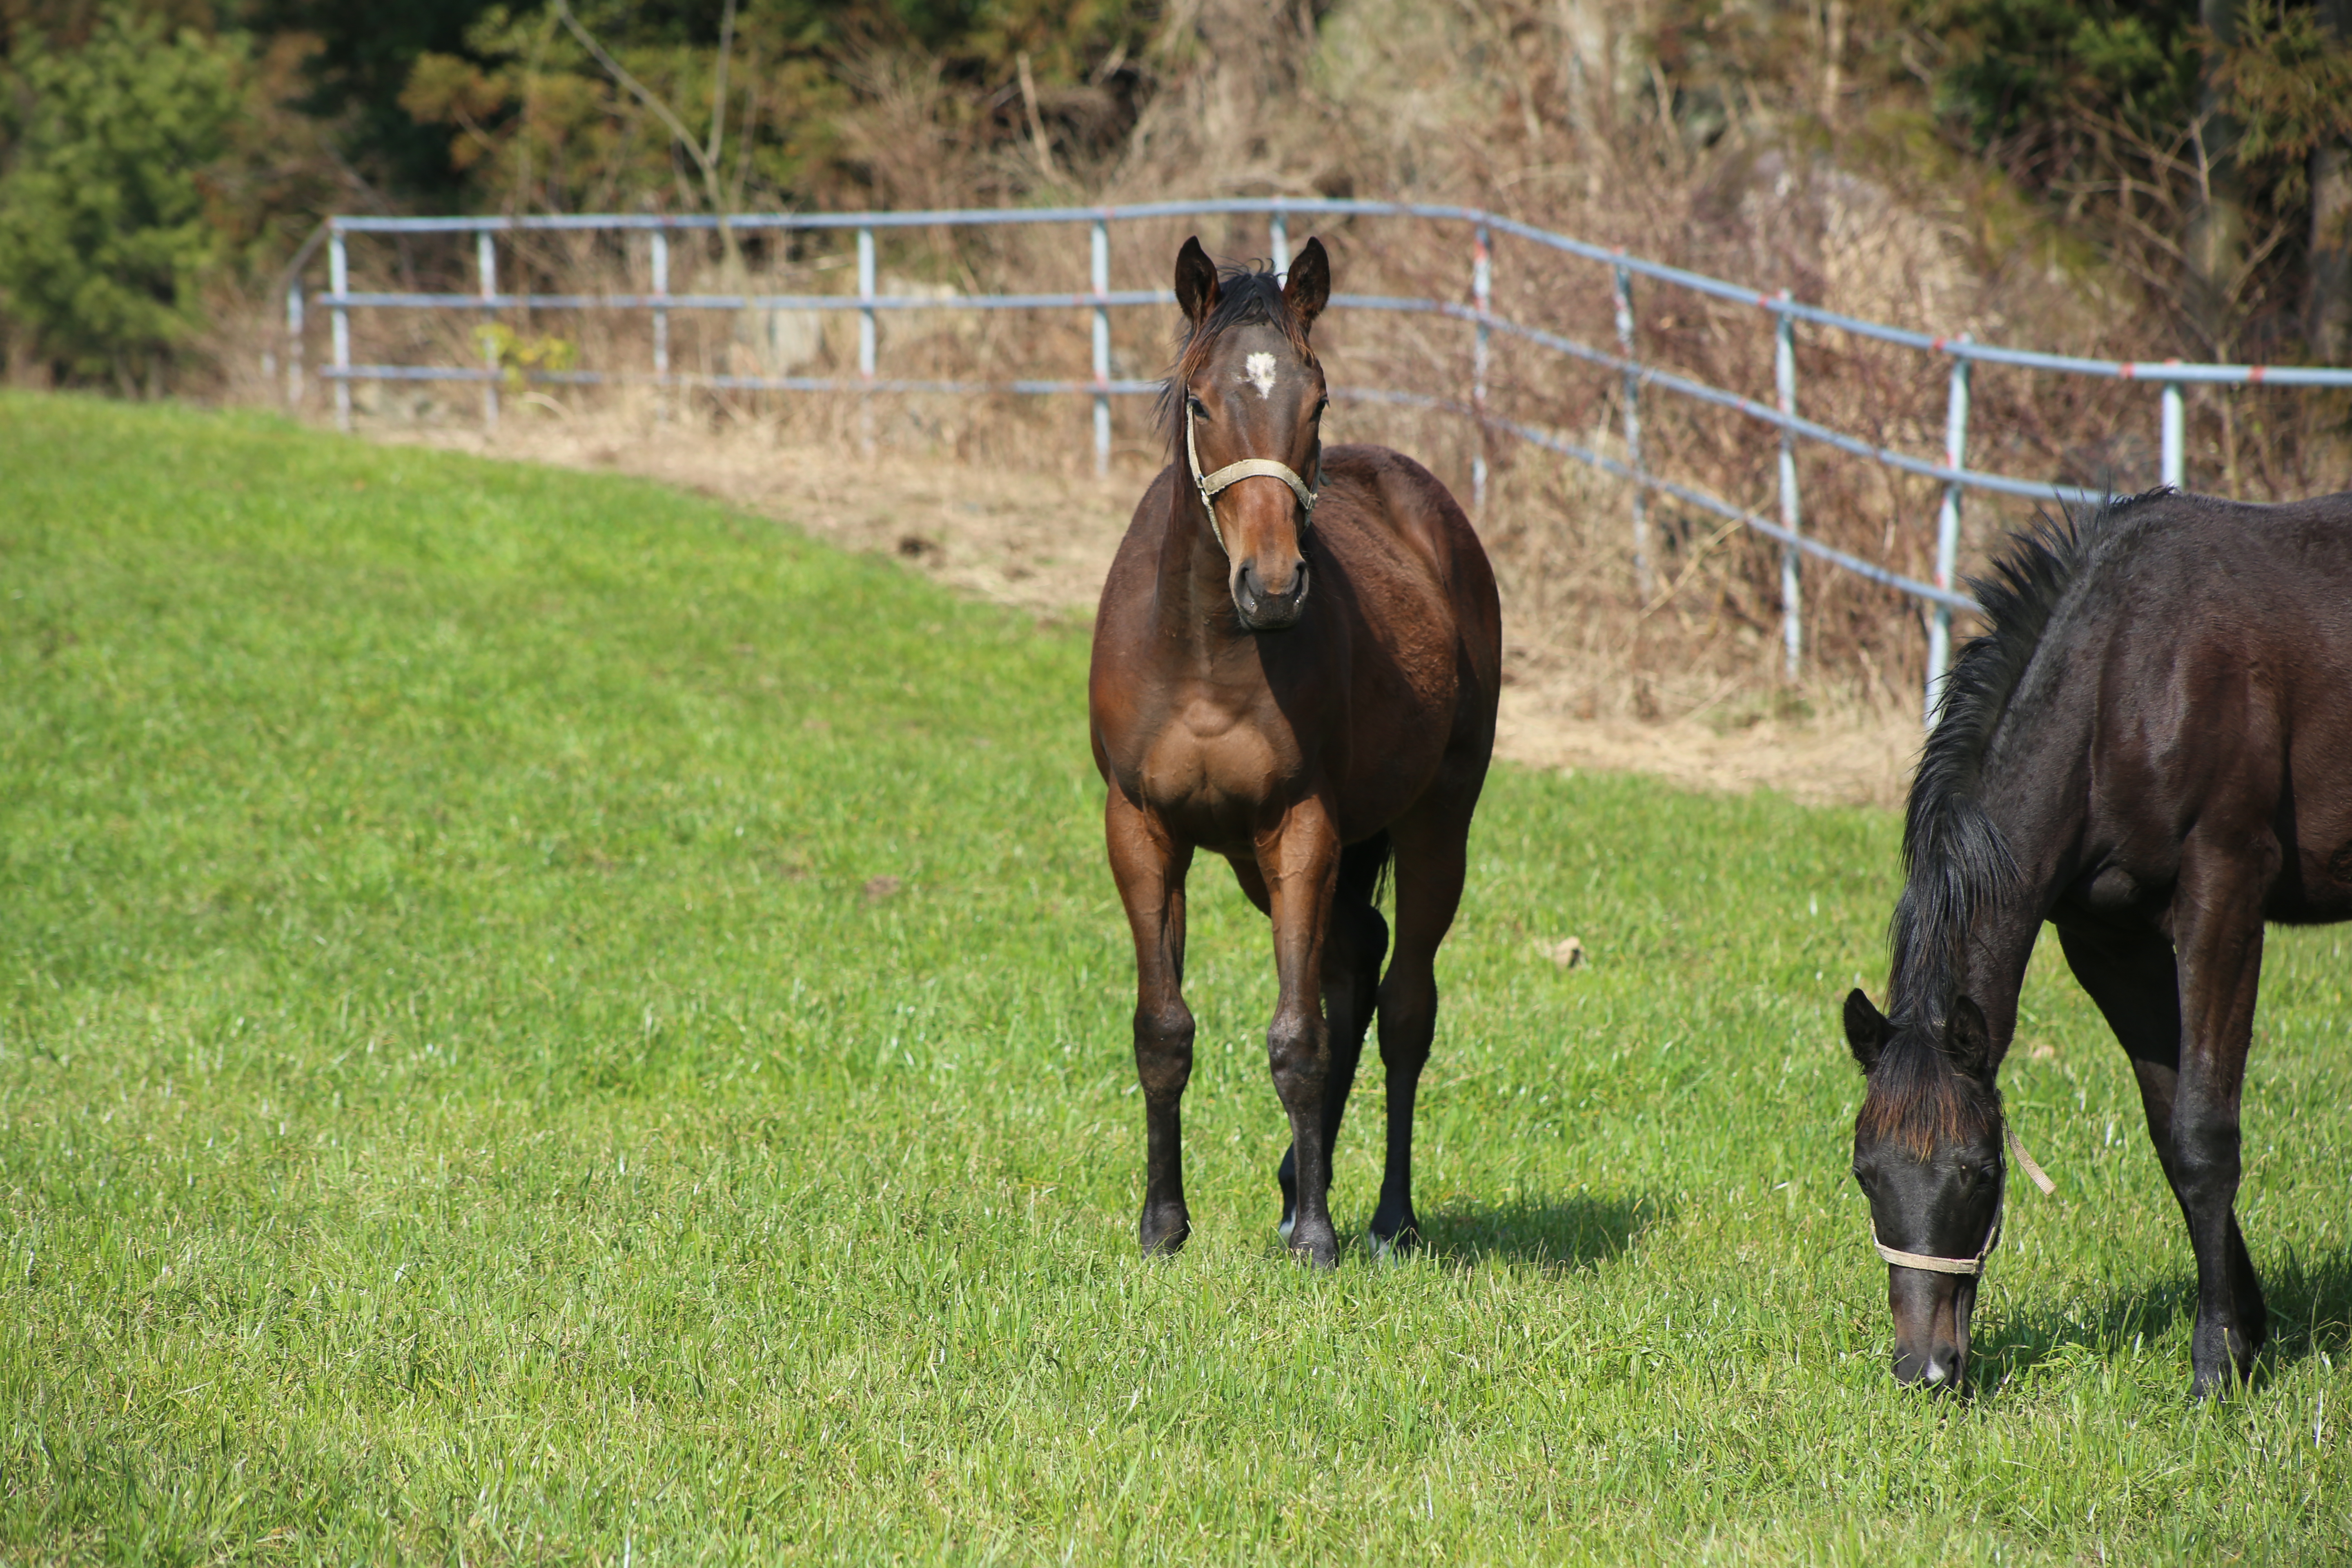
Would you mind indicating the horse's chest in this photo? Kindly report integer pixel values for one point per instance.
(1213, 773)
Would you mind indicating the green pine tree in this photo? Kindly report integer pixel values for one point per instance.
(104, 232)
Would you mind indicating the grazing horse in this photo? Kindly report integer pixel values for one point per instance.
(2151, 749)
(1296, 663)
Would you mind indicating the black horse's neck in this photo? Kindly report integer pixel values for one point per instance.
(1991, 817)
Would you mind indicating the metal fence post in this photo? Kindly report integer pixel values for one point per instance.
(339, 277)
(1100, 275)
(1624, 302)
(1784, 380)
(661, 321)
(486, 268)
(2175, 435)
(865, 336)
(1947, 533)
(1278, 242)
(1482, 290)
(294, 345)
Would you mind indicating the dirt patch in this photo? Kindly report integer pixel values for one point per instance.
(1042, 540)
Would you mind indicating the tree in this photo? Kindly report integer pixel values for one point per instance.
(104, 232)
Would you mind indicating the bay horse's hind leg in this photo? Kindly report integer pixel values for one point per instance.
(1353, 947)
(1430, 858)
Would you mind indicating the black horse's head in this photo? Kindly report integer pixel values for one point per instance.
(1245, 406)
(1928, 1153)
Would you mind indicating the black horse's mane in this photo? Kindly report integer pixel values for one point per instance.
(1955, 860)
(1249, 294)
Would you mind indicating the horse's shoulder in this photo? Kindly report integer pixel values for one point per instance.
(1391, 489)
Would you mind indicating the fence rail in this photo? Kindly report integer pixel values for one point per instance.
(1783, 313)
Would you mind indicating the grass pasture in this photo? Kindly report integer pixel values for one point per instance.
(543, 1020)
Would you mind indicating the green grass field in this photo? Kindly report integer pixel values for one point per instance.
(543, 1020)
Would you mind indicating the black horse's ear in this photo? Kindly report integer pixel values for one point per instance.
(1196, 281)
(1967, 1038)
(1309, 287)
(1865, 1029)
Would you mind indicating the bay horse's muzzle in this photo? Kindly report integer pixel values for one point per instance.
(1269, 609)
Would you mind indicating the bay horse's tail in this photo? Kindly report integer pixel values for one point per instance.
(1364, 871)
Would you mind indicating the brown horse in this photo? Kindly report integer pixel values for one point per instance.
(2152, 750)
(1301, 679)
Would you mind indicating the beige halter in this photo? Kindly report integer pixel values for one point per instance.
(1973, 1267)
(1211, 485)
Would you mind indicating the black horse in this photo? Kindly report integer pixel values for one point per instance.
(2151, 749)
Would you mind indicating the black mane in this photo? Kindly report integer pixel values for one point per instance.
(1955, 860)
(1249, 294)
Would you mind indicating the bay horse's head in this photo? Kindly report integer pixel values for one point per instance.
(1928, 1153)
(1245, 404)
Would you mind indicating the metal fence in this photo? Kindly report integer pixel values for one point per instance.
(1783, 312)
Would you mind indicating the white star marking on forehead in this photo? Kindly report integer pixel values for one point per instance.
(1259, 368)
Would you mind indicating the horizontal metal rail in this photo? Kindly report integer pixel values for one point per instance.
(1691, 494)
(1699, 390)
(1125, 388)
(744, 302)
(1698, 282)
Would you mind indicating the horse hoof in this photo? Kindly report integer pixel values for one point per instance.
(1321, 1251)
(2220, 1385)
(1390, 1250)
(1289, 1223)
(1164, 1236)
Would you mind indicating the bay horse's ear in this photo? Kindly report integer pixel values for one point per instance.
(1309, 288)
(1196, 281)
(1967, 1038)
(1865, 1029)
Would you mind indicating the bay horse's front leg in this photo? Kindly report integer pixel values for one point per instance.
(1299, 861)
(2217, 942)
(1150, 863)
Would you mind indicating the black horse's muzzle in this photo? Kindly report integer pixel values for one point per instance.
(1932, 1314)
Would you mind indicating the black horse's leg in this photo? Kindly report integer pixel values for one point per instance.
(1149, 867)
(2218, 937)
(2133, 978)
(1299, 862)
(1353, 947)
(1431, 859)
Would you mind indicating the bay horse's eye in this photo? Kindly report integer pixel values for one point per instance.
(1200, 411)
(1320, 405)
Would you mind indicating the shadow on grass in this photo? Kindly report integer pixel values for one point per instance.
(2310, 1301)
(1568, 1233)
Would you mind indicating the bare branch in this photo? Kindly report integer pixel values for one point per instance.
(705, 160)
(644, 94)
(718, 84)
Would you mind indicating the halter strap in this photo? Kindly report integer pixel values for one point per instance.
(1211, 485)
(1973, 1267)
